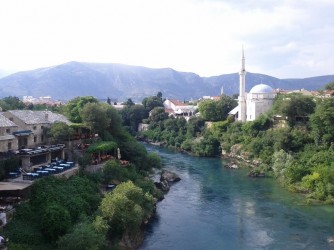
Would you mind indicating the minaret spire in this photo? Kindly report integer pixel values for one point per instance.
(242, 92)
(243, 60)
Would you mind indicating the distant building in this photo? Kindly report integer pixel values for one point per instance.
(327, 94)
(319, 94)
(300, 91)
(258, 101)
(177, 108)
(43, 100)
(118, 106)
(206, 97)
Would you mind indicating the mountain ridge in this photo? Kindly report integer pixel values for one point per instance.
(120, 81)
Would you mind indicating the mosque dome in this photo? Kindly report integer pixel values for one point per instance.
(261, 89)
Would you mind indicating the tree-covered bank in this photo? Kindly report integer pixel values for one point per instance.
(79, 213)
(192, 136)
(74, 213)
(297, 148)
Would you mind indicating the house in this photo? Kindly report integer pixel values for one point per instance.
(23, 132)
(32, 124)
(8, 141)
(298, 91)
(177, 108)
(325, 94)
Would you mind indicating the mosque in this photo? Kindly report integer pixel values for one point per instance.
(258, 101)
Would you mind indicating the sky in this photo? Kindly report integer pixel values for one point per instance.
(281, 38)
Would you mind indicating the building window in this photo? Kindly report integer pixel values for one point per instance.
(8, 130)
(35, 138)
(34, 127)
(9, 146)
(42, 127)
(42, 138)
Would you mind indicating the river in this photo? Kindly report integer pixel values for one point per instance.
(213, 207)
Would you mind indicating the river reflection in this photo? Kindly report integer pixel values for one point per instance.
(217, 208)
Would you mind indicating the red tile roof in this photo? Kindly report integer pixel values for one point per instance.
(178, 103)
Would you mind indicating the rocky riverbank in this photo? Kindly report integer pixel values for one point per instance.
(133, 240)
(237, 158)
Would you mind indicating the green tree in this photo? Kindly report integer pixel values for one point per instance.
(213, 110)
(206, 146)
(126, 207)
(152, 102)
(60, 131)
(103, 119)
(11, 103)
(261, 123)
(84, 236)
(153, 160)
(209, 110)
(329, 86)
(294, 106)
(115, 128)
(225, 105)
(195, 126)
(158, 114)
(94, 115)
(133, 115)
(322, 157)
(113, 171)
(280, 162)
(55, 221)
(133, 151)
(171, 124)
(74, 107)
(322, 122)
(129, 103)
(77, 194)
(219, 128)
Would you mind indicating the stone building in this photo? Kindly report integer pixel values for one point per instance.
(22, 132)
(7, 139)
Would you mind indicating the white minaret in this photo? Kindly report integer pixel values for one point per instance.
(242, 93)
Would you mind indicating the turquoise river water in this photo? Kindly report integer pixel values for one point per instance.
(213, 207)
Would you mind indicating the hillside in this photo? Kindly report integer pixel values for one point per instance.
(120, 82)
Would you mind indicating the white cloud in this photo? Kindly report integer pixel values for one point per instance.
(283, 38)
